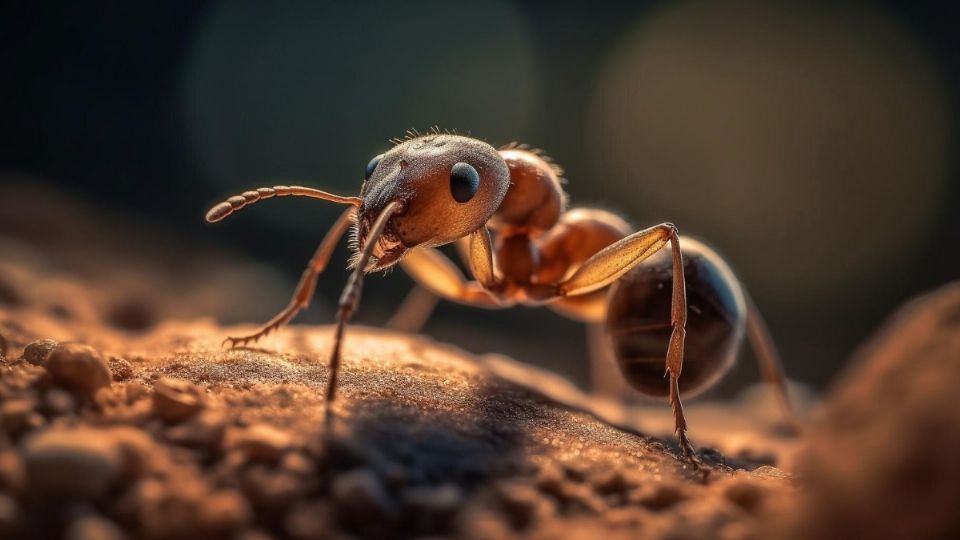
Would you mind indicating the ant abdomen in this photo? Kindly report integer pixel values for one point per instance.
(638, 320)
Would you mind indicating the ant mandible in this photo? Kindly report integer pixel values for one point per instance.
(585, 264)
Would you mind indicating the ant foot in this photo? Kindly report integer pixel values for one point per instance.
(689, 454)
(234, 342)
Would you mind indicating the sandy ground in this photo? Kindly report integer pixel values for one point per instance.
(164, 434)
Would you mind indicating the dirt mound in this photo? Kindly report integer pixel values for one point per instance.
(166, 435)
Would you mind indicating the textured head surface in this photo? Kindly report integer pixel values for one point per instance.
(417, 172)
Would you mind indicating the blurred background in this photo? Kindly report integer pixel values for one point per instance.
(813, 144)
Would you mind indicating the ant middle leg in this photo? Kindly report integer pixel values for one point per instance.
(419, 304)
(605, 379)
(414, 311)
(308, 281)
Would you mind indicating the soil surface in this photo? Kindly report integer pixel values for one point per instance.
(165, 434)
(881, 458)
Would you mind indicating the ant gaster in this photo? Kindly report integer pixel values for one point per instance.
(586, 264)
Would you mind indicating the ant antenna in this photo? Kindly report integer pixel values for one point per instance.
(247, 198)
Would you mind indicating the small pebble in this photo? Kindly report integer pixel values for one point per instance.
(358, 493)
(223, 513)
(135, 390)
(121, 368)
(309, 520)
(550, 479)
(433, 500)
(345, 452)
(58, 402)
(613, 482)
(703, 517)
(477, 523)
(521, 503)
(626, 516)
(262, 442)
(576, 496)
(272, 489)
(137, 448)
(38, 351)
(660, 496)
(747, 495)
(78, 462)
(204, 430)
(15, 416)
(13, 475)
(78, 368)
(167, 508)
(9, 515)
(175, 400)
(577, 469)
(297, 463)
(93, 528)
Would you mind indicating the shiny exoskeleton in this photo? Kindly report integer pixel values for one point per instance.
(669, 304)
(638, 320)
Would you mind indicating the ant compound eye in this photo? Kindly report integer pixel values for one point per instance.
(372, 166)
(464, 182)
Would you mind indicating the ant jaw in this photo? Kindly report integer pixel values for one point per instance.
(385, 254)
(387, 251)
(383, 257)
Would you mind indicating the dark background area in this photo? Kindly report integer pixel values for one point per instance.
(813, 144)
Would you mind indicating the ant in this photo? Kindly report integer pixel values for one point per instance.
(586, 264)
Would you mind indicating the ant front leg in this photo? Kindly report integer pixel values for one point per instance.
(350, 297)
(437, 274)
(420, 302)
(308, 281)
(609, 265)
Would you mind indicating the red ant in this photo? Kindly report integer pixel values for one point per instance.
(586, 264)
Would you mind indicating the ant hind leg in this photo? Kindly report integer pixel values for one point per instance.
(615, 260)
(771, 367)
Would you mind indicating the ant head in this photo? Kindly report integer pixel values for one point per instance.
(447, 185)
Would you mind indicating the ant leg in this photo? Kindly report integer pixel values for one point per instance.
(414, 311)
(350, 297)
(436, 273)
(480, 253)
(590, 309)
(605, 378)
(615, 260)
(419, 304)
(304, 291)
(769, 361)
